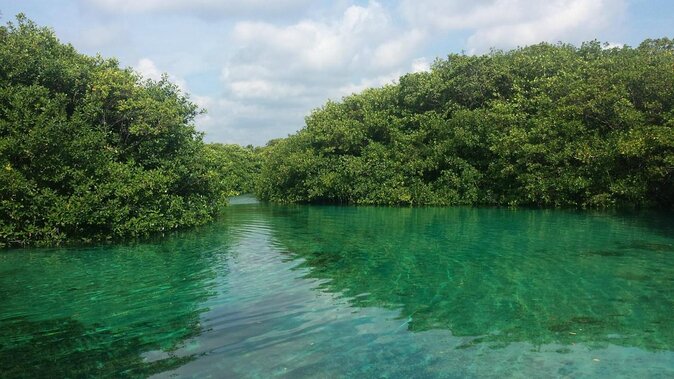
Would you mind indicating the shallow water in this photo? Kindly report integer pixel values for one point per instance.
(326, 291)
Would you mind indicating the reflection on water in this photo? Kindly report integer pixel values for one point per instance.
(68, 348)
(321, 291)
(76, 312)
(510, 276)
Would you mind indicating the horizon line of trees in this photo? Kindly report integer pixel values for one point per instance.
(91, 151)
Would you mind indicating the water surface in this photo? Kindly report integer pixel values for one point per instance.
(326, 291)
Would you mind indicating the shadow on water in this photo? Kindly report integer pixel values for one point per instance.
(537, 276)
(65, 347)
(106, 311)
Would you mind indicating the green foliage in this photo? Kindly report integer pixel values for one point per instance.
(234, 167)
(545, 125)
(89, 150)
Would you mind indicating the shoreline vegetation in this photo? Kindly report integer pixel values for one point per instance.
(544, 126)
(90, 151)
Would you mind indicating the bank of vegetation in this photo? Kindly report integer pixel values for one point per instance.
(90, 150)
(545, 125)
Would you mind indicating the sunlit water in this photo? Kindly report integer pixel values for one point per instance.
(323, 291)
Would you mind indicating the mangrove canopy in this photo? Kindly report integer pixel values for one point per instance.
(544, 125)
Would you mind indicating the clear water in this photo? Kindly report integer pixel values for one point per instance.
(323, 291)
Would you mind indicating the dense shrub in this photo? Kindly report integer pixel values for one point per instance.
(89, 150)
(235, 167)
(545, 125)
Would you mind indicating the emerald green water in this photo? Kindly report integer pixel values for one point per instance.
(324, 291)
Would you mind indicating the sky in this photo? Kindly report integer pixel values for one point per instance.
(259, 67)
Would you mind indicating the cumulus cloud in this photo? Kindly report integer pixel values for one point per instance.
(318, 57)
(455, 14)
(148, 70)
(263, 89)
(365, 83)
(397, 51)
(613, 45)
(320, 45)
(510, 23)
(278, 73)
(420, 65)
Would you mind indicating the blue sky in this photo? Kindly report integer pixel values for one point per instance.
(259, 67)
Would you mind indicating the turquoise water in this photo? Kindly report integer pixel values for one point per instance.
(325, 291)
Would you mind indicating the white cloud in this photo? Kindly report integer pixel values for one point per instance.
(312, 58)
(509, 23)
(279, 73)
(613, 45)
(265, 89)
(395, 52)
(558, 21)
(420, 65)
(321, 45)
(455, 14)
(365, 83)
(148, 70)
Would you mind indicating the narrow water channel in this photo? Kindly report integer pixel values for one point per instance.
(328, 291)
